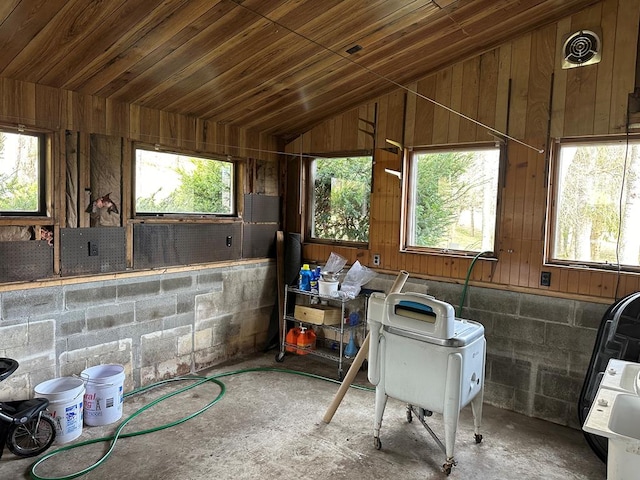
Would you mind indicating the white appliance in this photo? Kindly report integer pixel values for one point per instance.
(419, 353)
(615, 414)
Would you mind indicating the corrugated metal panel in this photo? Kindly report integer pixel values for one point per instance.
(25, 260)
(92, 250)
(185, 244)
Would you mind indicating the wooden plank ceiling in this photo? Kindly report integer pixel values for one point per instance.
(277, 66)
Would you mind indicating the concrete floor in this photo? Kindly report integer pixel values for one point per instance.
(269, 425)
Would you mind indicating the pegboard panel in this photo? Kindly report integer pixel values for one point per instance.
(185, 244)
(92, 250)
(258, 240)
(261, 208)
(25, 260)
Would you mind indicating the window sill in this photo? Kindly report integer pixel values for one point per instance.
(450, 253)
(600, 267)
(25, 221)
(337, 243)
(181, 219)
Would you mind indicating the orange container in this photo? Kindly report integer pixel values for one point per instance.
(312, 334)
(292, 338)
(304, 341)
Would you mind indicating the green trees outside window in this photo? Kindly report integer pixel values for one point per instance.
(173, 183)
(597, 208)
(20, 175)
(452, 199)
(340, 198)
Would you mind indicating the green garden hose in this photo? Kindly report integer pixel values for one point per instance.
(198, 379)
(466, 281)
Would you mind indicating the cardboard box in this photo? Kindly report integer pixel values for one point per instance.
(331, 335)
(330, 338)
(318, 314)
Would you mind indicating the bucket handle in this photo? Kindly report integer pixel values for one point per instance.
(87, 379)
(80, 394)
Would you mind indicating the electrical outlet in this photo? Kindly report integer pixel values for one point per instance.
(93, 249)
(376, 259)
(545, 279)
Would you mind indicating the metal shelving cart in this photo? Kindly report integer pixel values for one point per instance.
(343, 330)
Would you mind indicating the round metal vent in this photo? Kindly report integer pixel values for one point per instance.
(581, 48)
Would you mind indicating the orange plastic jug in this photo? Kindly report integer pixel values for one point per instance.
(292, 338)
(304, 342)
(313, 337)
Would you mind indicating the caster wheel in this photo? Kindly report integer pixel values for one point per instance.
(280, 357)
(409, 415)
(340, 375)
(446, 468)
(478, 438)
(377, 443)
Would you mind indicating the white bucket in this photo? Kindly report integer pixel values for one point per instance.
(104, 396)
(327, 287)
(65, 397)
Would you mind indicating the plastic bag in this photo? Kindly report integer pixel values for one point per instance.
(357, 276)
(334, 264)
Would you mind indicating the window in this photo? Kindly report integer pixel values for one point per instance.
(22, 173)
(340, 198)
(451, 199)
(174, 183)
(596, 204)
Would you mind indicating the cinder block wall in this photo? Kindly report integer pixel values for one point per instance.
(538, 350)
(538, 347)
(160, 326)
(157, 326)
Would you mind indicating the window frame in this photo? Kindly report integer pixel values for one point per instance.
(310, 190)
(44, 182)
(183, 215)
(408, 195)
(552, 202)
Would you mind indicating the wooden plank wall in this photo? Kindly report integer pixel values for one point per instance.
(58, 110)
(518, 88)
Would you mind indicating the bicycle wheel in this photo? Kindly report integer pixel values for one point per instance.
(31, 438)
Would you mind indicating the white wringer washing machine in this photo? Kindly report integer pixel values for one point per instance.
(419, 353)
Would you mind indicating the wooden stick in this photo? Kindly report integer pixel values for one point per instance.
(280, 279)
(400, 281)
(348, 380)
(357, 362)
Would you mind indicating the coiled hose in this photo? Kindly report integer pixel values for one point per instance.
(198, 380)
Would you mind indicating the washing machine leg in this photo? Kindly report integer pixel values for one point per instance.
(381, 402)
(476, 408)
(451, 408)
(450, 417)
